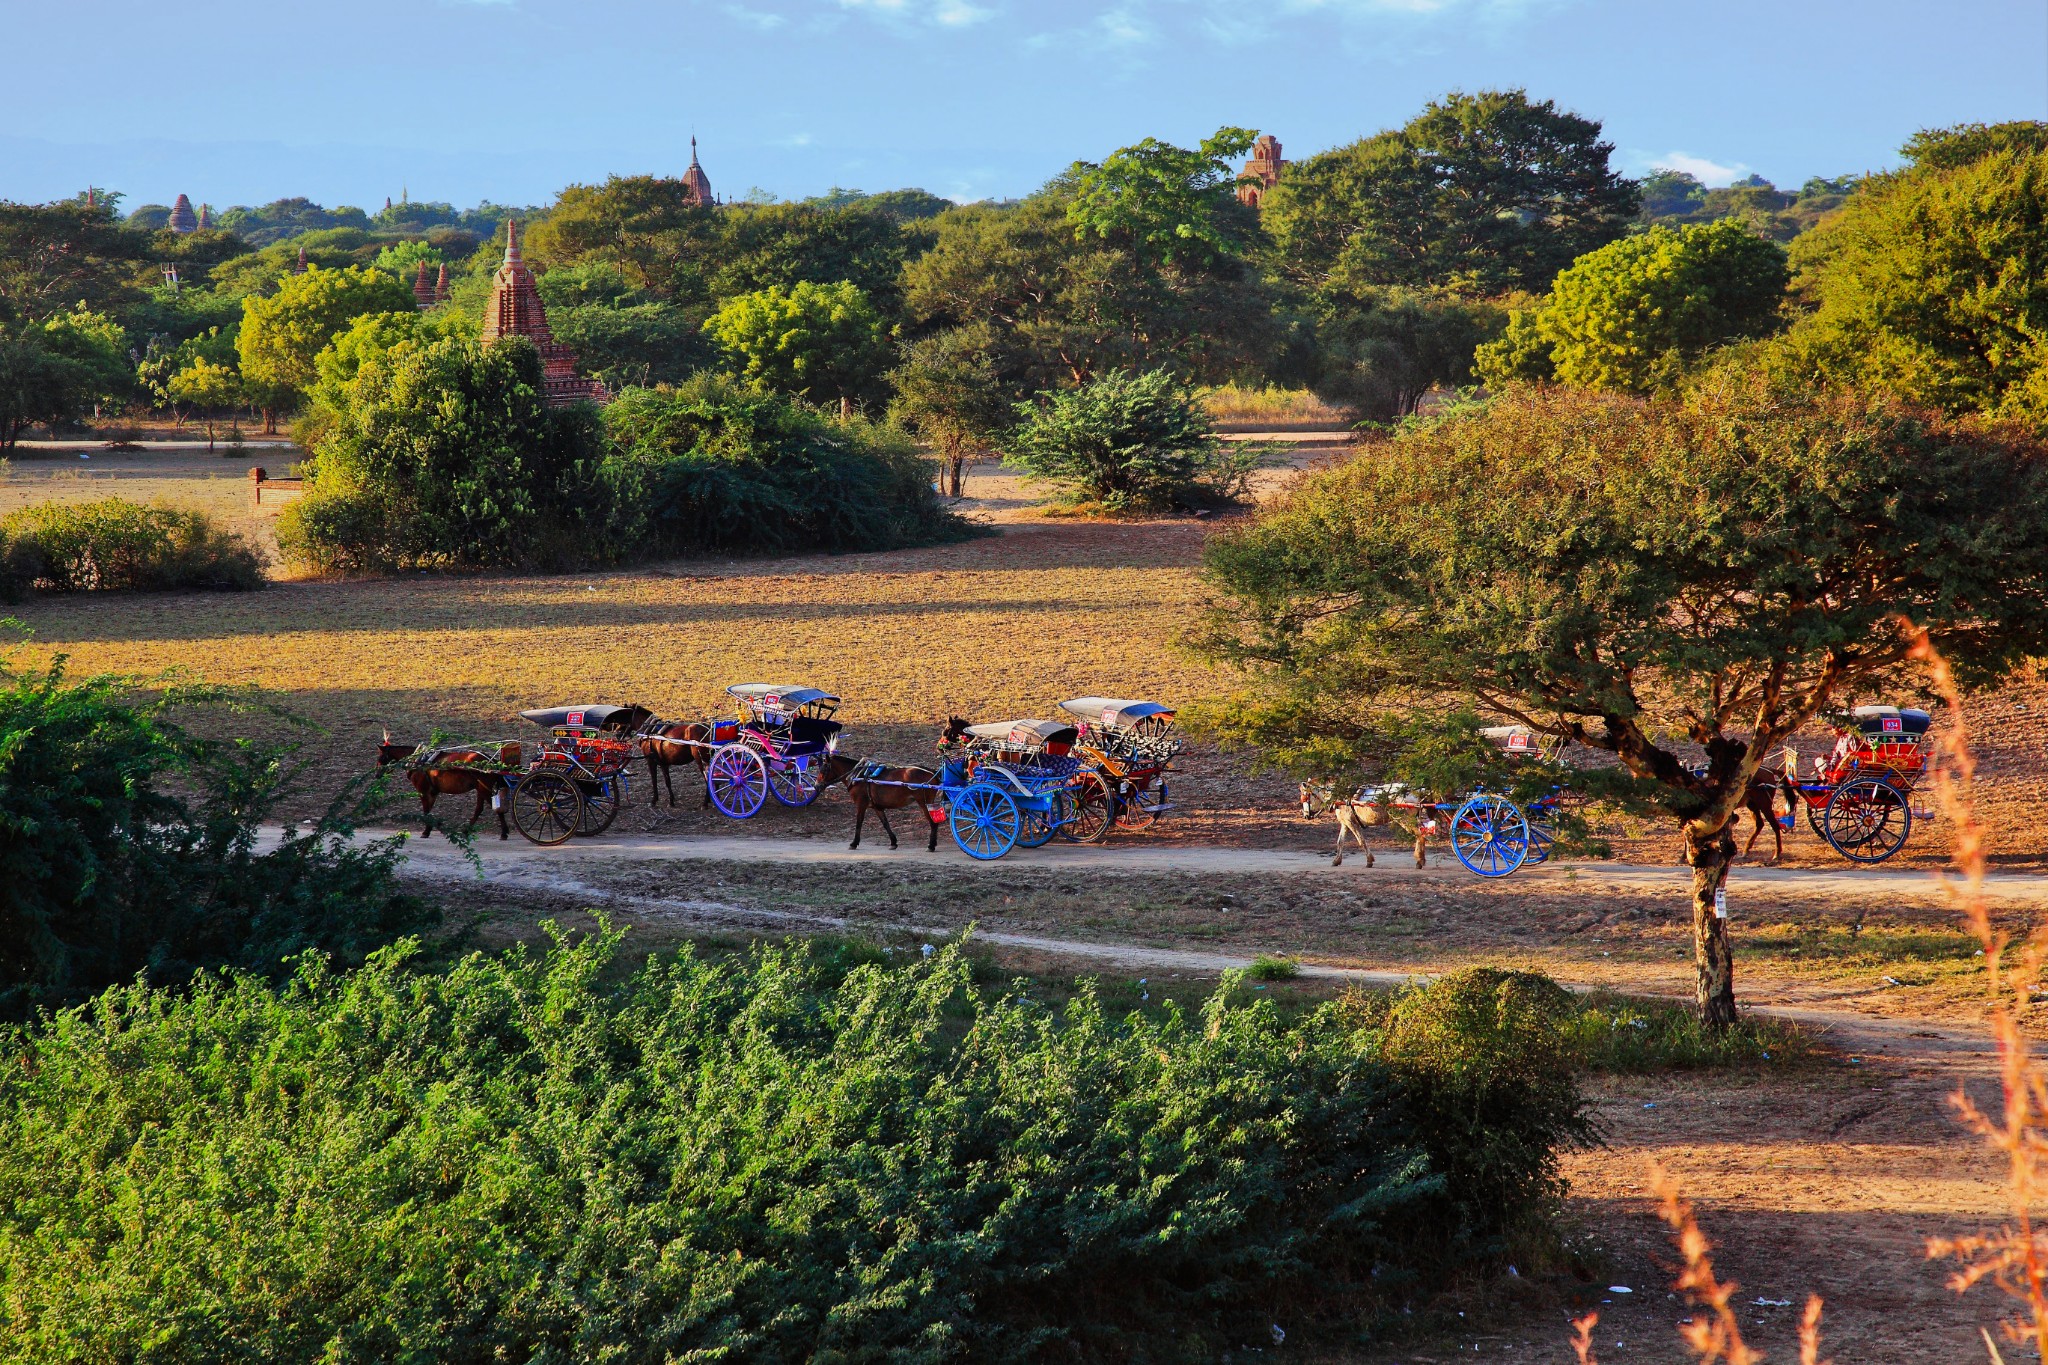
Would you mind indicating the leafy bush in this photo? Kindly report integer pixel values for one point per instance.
(116, 545)
(716, 465)
(127, 843)
(1639, 314)
(1130, 443)
(445, 455)
(758, 1159)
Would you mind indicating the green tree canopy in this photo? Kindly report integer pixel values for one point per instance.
(37, 385)
(1481, 193)
(283, 334)
(99, 345)
(54, 257)
(948, 389)
(818, 341)
(1933, 283)
(1167, 205)
(208, 387)
(1638, 315)
(1948, 149)
(444, 454)
(1631, 574)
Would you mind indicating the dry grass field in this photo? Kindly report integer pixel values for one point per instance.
(992, 629)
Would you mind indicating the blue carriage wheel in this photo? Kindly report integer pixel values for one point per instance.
(738, 781)
(1489, 835)
(985, 822)
(794, 782)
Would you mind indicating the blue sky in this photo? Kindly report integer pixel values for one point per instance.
(243, 101)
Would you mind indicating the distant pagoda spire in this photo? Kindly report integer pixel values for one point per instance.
(182, 217)
(696, 184)
(300, 268)
(441, 290)
(206, 217)
(514, 309)
(423, 288)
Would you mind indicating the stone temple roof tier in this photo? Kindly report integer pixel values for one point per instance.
(514, 309)
(1262, 172)
(183, 219)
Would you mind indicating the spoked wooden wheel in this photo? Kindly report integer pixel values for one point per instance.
(738, 780)
(547, 808)
(1489, 835)
(1867, 820)
(985, 822)
(602, 798)
(1091, 810)
(1137, 805)
(794, 782)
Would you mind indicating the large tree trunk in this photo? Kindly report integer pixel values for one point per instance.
(1714, 960)
(955, 464)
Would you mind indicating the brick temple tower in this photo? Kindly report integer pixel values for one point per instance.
(696, 184)
(514, 309)
(1262, 172)
(183, 219)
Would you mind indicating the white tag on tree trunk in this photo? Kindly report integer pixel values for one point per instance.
(1720, 902)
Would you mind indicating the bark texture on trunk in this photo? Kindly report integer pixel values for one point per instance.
(955, 466)
(1713, 959)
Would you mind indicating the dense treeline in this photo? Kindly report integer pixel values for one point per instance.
(1488, 238)
(773, 1158)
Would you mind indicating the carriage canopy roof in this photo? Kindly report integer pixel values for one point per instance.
(777, 694)
(1031, 733)
(573, 717)
(1893, 720)
(1115, 712)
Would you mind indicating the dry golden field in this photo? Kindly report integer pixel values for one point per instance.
(991, 629)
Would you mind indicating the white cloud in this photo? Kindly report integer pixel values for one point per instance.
(764, 20)
(1699, 168)
(794, 140)
(941, 13)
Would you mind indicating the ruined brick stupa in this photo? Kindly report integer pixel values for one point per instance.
(515, 309)
(183, 219)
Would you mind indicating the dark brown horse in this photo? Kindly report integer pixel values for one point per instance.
(883, 789)
(1761, 801)
(674, 744)
(432, 783)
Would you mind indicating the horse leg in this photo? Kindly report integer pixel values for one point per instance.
(1421, 843)
(924, 804)
(860, 816)
(668, 779)
(703, 757)
(1756, 815)
(427, 794)
(654, 779)
(477, 813)
(501, 797)
(1337, 856)
(882, 814)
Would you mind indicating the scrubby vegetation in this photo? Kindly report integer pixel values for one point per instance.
(128, 843)
(770, 1158)
(1130, 443)
(116, 545)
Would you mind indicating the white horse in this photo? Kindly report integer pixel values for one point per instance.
(1368, 807)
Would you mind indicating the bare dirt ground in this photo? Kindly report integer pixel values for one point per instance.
(1822, 1178)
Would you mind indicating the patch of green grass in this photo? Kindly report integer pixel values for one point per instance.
(1621, 1034)
(1266, 968)
(1872, 945)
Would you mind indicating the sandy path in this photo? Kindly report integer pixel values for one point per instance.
(1138, 859)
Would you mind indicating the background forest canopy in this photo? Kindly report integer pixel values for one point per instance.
(1488, 239)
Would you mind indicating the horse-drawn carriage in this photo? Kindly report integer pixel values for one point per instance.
(1491, 833)
(776, 746)
(1130, 747)
(1860, 798)
(1012, 783)
(575, 784)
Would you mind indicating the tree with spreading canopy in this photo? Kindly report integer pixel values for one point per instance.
(1640, 314)
(1170, 205)
(948, 391)
(818, 341)
(1678, 584)
(207, 386)
(283, 334)
(1480, 193)
(1932, 282)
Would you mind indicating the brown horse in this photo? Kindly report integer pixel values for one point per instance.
(1761, 801)
(432, 783)
(673, 744)
(883, 789)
